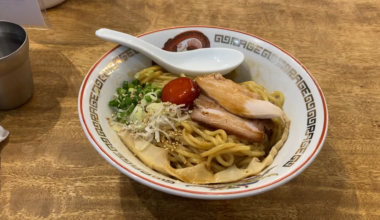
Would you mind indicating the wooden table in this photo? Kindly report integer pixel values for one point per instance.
(50, 170)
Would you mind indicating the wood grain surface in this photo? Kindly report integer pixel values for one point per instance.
(49, 170)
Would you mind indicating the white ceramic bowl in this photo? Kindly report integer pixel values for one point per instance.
(264, 62)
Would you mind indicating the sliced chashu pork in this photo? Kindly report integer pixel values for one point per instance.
(210, 113)
(235, 99)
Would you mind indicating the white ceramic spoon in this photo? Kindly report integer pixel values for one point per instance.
(195, 62)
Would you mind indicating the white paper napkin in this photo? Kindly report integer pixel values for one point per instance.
(3, 134)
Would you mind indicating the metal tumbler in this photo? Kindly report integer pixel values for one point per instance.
(16, 79)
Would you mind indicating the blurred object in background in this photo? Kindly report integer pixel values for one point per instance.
(28, 13)
(50, 3)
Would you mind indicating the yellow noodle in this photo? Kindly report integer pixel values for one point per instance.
(173, 159)
(219, 131)
(181, 147)
(240, 154)
(237, 148)
(187, 127)
(229, 150)
(154, 75)
(204, 135)
(187, 154)
(195, 150)
(142, 74)
(175, 156)
(217, 148)
(195, 160)
(194, 142)
(182, 158)
(166, 77)
(253, 153)
(225, 163)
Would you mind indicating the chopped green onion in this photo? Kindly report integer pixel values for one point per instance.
(125, 85)
(122, 114)
(124, 104)
(132, 95)
(121, 91)
(128, 100)
(113, 103)
(150, 72)
(148, 98)
(135, 100)
(131, 90)
(158, 92)
(135, 82)
(146, 90)
(130, 109)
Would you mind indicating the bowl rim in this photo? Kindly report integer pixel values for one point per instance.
(192, 193)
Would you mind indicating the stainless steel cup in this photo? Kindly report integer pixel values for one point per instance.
(16, 80)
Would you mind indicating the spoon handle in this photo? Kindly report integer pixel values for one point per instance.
(135, 43)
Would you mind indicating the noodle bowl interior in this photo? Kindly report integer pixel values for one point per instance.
(200, 130)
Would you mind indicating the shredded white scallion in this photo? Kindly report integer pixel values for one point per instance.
(149, 121)
(152, 95)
